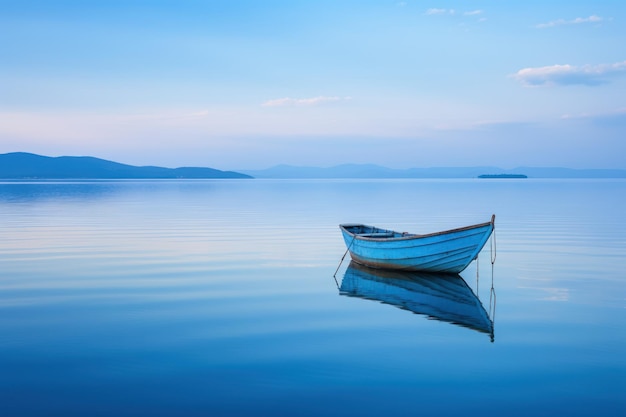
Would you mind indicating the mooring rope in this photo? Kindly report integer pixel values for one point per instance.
(344, 255)
(493, 246)
(492, 302)
(492, 294)
(477, 276)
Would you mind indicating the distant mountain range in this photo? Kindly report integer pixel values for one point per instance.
(376, 171)
(21, 165)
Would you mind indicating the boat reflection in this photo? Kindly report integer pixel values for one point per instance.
(443, 297)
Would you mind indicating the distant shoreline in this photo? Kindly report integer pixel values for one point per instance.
(27, 166)
(503, 176)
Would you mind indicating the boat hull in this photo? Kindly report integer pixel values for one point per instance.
(450, 251)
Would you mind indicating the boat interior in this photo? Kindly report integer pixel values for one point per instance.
(373, 232)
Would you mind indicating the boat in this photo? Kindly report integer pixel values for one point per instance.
(450, 251)
(442, 297)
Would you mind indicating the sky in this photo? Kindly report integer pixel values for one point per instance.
(250, 84)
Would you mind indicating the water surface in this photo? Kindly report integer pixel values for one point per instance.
(204, 297)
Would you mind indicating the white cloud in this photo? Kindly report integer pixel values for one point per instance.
(578, 20)
(313, 101)
(450, 12)
(439, 11)
(618, 113)
(570, 74)
(201, 113)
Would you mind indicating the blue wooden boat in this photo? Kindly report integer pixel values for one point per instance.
(442, 297)
(450, 251)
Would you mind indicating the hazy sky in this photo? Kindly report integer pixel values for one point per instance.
(251, 84)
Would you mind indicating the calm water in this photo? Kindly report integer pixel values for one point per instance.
(217, 298)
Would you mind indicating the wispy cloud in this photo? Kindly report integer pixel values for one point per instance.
(577, 21)
(570, 74)
(614, 117)
(435, 11)
(313, 101)
(200, 113)
(454, 12)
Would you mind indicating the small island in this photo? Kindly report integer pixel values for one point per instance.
(502, 176)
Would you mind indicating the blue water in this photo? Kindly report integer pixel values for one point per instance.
(217, 298)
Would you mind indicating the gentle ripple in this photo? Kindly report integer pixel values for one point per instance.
(217, 298)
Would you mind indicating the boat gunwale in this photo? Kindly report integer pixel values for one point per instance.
(358, 236)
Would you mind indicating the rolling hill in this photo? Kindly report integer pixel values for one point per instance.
(22, 165)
